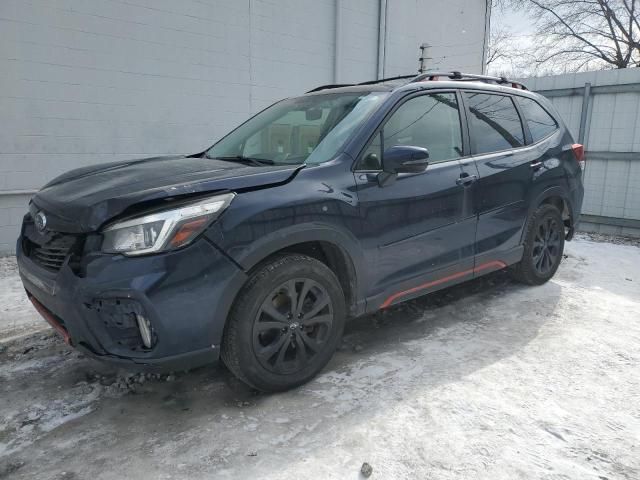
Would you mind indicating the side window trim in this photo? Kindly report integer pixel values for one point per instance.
(472, 140)
(466, 150)
(467, 146)
(528, 140)
(377, 134)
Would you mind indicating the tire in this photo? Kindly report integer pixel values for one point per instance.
(270, 351)
(543, 247)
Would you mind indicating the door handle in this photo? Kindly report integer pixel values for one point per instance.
(536, 165)
(466, 180)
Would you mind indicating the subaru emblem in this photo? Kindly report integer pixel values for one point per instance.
(41, 221)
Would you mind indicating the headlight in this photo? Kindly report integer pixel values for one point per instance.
(163, 230)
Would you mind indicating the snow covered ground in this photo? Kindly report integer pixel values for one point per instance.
(17, 317)
(488, 380)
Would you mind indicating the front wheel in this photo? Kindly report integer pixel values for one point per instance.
(543, 247)
(285, 324)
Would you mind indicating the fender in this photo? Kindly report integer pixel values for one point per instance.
(306, 232)
(248, 258)
(299, 233)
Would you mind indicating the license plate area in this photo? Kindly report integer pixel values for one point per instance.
(47, 285)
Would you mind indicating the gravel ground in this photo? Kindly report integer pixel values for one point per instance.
(617, 240)
(487, 380)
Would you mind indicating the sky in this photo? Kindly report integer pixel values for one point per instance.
(519, 23)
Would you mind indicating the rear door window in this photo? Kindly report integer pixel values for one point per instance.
(494, 122)
(540, 123)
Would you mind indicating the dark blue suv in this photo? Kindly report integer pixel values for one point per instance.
(334, 204)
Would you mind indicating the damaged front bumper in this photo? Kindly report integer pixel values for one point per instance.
(183, 297)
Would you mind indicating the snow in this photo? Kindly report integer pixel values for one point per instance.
(16, 315)
(487, 380)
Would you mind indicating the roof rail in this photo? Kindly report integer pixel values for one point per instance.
(332, 85)
(430, 76)
(368, 82)
(382, 80)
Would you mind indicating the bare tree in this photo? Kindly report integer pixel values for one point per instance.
(508, 53)
(506, 56)
(499, 46)
(574, 35)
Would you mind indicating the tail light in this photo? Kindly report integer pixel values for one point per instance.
(578, 151)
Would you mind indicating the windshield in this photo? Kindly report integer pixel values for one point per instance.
(308, 129)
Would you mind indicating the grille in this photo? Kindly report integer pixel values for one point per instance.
(53, 253)
(49, 249)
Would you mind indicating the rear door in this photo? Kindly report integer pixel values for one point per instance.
(505, 167)
(419, 229)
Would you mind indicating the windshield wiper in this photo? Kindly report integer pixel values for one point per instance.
(259, 162)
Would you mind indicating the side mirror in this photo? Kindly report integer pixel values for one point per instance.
(405, 159)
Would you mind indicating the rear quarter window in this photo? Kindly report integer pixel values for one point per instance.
(540, 123)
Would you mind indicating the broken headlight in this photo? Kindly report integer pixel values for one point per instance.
(163, 230)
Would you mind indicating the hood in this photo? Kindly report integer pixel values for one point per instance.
(83, 199)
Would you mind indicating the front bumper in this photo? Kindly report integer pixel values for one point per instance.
(184, 294)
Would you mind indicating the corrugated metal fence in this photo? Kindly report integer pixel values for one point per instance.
(602, 110)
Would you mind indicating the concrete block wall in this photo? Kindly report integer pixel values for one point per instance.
(12, 209)
(359, 41)
(89, 81)
(453, 39)
(455, 29)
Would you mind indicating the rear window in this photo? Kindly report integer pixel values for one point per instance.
(495, 124)
(540, 123)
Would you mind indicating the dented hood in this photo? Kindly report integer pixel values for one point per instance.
(84, 199)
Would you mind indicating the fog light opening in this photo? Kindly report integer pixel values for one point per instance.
(145, 331)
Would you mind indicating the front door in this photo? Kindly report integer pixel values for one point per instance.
(418, 231)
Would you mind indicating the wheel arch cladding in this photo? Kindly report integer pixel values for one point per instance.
(333, 255)
(338, 261)
(557, 201)
(559, 198)
(563, 204)
(336, 248)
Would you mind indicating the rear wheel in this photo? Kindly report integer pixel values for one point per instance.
(285, 324)
(543, 247)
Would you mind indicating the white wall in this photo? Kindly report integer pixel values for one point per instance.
(87, 81)
(455, 29)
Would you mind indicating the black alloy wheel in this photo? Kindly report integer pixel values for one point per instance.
(292, 325)
(543, 246)
(546, 245)
(285, 324)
